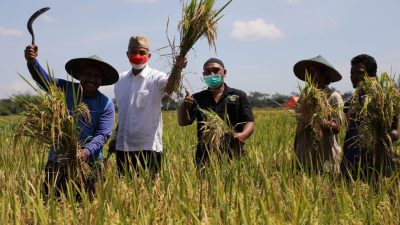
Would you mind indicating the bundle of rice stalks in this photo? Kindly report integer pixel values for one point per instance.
(50, 122)
(376, 104)
(312, 109)
(199, 19)
(216, 131)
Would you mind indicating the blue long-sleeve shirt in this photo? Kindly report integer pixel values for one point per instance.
(93, 136)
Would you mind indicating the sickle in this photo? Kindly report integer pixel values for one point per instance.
(33, 18)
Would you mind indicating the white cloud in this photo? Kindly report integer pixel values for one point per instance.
(9, 32)
(143, 1)
(47, 18)
(15, 88)
(255, 30)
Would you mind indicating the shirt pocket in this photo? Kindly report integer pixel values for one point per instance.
(141, 98)
(232, 104)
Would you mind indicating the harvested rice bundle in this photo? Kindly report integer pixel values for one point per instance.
(199, 19)
(50, 122)
(376, 103)
(216, 131)
(312, 109)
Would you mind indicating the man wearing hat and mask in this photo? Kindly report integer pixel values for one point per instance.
(226, 102)
(326, 153)
(138, 138)
(92, 73)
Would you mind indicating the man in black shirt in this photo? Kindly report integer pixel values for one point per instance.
(223, 100)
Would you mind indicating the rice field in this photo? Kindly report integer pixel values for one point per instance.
(261, 188)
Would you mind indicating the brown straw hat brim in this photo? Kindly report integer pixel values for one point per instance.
(75, 66)
(299, 68)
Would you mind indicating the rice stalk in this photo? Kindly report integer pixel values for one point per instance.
(376, 104)
(199, 19)
(312, 109)
(49, 121)
(216, 132)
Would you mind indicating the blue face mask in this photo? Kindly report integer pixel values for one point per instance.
(213, 81)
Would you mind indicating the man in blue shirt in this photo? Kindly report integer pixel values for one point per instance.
(92, 73)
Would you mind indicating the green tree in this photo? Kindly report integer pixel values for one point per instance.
(279, 100)
(168, 103)
(258, 99)
(10, 106)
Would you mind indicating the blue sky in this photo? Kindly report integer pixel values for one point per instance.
(258, 40)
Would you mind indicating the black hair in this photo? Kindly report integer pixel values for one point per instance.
(368, 61)
(214, 60)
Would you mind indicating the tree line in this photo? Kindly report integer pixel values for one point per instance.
(11, 107)
(256, 99)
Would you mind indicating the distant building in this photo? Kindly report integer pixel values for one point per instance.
(291, 103)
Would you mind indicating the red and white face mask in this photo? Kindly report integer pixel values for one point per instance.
(138, 61)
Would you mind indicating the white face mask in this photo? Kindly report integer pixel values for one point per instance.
(138, 66)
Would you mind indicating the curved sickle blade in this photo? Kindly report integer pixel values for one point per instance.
(33, 18)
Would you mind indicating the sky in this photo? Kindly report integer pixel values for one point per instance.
(259, 41)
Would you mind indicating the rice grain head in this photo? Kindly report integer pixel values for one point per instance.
(50, 122)
(199, 19)
(376, 104)
(312, 108)
(215, 130)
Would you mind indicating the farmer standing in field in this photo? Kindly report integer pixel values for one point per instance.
(324, 152)
(138, 139)
(360, 162)
(226, 102)
(92, 73)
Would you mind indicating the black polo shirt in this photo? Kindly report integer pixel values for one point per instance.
(233, 102)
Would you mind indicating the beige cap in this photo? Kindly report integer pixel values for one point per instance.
(139, 42)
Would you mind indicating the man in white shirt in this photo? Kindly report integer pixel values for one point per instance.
(138, 139)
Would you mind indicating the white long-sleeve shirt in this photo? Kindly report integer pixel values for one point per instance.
(139, 110)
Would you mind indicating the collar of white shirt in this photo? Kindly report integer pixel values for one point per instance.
(142, 73)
